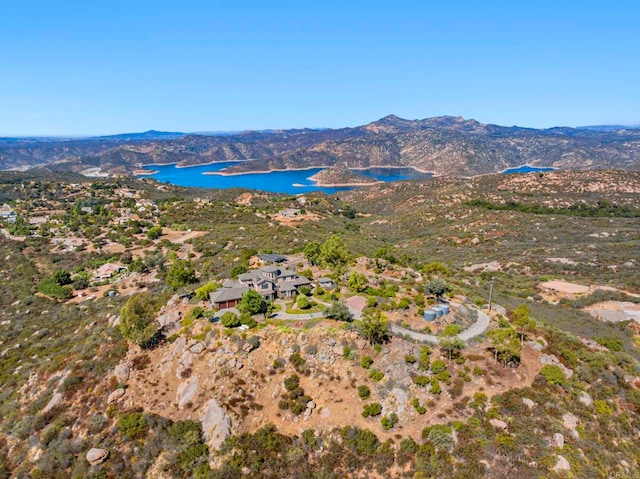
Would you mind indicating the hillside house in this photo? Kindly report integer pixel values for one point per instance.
(107, 270)
(270, 282)
(7, 214)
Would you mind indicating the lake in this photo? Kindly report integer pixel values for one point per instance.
(290, 181)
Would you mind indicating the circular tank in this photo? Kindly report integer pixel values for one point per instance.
(438, 311)
(429, 315)
(445, 308)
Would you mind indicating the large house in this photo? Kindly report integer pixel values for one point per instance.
(270, 281)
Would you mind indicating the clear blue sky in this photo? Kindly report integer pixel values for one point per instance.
(109, 66)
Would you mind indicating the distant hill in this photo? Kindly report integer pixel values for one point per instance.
(609, 127)
(443, 145)
(146, 135)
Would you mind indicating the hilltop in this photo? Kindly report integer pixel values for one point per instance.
(116, 361)
(442, 145)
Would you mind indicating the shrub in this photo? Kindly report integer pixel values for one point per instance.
(137, 319)
(553, 374)
(435, 386)
(203, 292)
(187, 432)
(230, 320)
(366, 362)
(303, 302)
(372, 409)
(248, 320)
(133, 425)
(418, 407)
(438, 366)
(376, 375)
(421, 381)
(389, 421)
(410, 359)
(602, 408)
(364, 392)
(292, 382)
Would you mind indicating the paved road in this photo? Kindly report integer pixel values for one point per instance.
(476, 329)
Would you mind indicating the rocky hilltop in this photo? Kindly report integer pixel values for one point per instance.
(444, 145)
(340, 175)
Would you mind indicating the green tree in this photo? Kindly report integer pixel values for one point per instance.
(506, 345)
(334, 254)
(230, 320)
(374, 327)
(437, 287)
(252, 302)
(62, 277)
(520, 318)
(203, 292)
(180, 274)
(312, 252)
(357, 282)
(154, 232)
(137, 319)
(452, 346)
(338, 311)
(303, 302)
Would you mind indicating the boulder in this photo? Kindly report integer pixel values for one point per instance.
(115, 395)
(551, 359)
(585, 399)
(187, 391)
(197, 348)
(121, 372)
(498, 424)
(97, 456)
(558, 440)
(216, 424)
(562, 465)
(528, 402)
(311, 405)
(53, 402)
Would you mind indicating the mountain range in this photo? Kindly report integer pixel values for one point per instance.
(443, 145)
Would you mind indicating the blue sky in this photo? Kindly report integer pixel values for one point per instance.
(101, 67)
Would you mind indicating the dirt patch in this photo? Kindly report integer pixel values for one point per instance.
(292, 221)
(615, 311)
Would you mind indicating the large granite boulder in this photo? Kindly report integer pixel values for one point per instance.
(97, 456)
(216, 424)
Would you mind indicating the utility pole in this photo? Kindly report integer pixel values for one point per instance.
(490, 293)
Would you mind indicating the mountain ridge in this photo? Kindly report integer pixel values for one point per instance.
(444, 145)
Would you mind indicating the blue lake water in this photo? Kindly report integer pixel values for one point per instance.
(290, 181)
(525, 169)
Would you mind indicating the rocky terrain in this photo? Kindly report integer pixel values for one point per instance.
(340, 175)
(442, 145)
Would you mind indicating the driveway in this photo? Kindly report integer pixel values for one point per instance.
(476, 329)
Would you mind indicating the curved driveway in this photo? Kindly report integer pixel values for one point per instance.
(476, 329)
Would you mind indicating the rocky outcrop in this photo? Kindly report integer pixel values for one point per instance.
(96, 456)
(562, 465)
(55, 400)
(216, 424)
(187, 392)
(121, 372)
(115, 395)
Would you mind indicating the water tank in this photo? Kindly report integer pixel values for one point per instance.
(429, 315)
(438, 311)
(445, 308)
